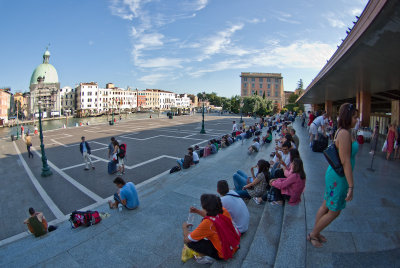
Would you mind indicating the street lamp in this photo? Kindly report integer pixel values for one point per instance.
(112, 110)
(45, 168)
(241, 112)
(203, 131)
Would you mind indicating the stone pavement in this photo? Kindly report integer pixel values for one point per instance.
(366, 234)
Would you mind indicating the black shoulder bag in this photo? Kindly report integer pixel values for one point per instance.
(332, 156)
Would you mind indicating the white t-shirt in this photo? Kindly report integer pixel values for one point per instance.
(319, 121)
(234, 127)
(195, 157)
(285, 158)
(238, 210)
(257, 145)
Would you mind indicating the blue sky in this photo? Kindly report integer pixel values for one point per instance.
(179, 45)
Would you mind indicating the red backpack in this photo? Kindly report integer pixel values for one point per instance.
(122, 150)
(85, 218)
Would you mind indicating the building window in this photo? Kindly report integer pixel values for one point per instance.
(261, 93)
(269, 85)
(276, 80)
(268, 80)
(253, 80)
(260, 85)
(261, 79)
(82, 93)
(245, 84)
(276, 86)
(253, 85)
(252, 92)
(276, 93)
(268, 93)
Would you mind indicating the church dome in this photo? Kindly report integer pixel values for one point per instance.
(45, 70)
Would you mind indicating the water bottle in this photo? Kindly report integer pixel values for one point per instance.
(120, 207)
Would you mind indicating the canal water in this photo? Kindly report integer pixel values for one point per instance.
(59, 123)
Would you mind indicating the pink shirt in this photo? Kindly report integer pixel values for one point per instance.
(292, 186)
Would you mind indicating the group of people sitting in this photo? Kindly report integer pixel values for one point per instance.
(226, 217)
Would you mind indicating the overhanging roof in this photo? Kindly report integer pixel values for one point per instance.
(368, 59)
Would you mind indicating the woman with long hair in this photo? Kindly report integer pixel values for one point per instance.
(291, 187)
(338, 189)
(254, 186)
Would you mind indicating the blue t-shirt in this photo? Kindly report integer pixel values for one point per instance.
(128, 192)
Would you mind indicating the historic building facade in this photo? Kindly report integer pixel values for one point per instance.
(269, 85)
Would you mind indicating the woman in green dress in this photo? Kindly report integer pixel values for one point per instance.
(338, 189)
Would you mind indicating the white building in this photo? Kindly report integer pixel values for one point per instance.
(182, 101)
(67, 95)
(167, 100)
(86, 98)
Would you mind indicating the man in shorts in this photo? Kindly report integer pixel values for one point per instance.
(319, 122)
(126, 195)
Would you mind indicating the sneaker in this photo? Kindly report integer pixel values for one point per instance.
(93, 167)
(256, 200)
(204, 260)
(86, 168)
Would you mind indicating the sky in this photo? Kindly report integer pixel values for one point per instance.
(186, 46)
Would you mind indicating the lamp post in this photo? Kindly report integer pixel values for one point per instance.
(241, 110)
(18, 123)
(203, 131)
(112, 110)
(45, 167)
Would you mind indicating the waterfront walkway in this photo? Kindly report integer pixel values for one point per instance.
(366, 234)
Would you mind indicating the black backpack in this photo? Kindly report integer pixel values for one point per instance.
(175, 169)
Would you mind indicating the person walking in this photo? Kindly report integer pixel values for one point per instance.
(390, 139)
(86, 152)
(28, 142)
(338, 189)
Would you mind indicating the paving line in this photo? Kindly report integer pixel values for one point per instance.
(46, 198)
(80, 187)
(151, 160)
(78, 165)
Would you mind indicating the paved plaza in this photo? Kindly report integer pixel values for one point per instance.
(153, 145)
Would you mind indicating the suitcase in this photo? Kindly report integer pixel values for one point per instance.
(112, 167)
(320, 145)
(360, 139)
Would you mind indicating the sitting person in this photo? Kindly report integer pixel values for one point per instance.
(216, 237)
(230, 140)
(235, 206)
(37, 223)
(199, 151)
(126, 195)
(291, 187)
(254, 186)
(187, 161)
(213, 148)
(267, 138)
(255, 147)
(195, 156)
(280, 156)
(295, 138)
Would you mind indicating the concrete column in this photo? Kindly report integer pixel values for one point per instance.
(396, 112)
(328, 107)
(364, 107)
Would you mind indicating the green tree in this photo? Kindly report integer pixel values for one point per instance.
(257, 105)
(300, 84)
(235, 104)
(264, 95)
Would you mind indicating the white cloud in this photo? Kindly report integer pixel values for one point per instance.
(159, 62)
(153, 79)
(125, 9)
(201, 4)
(356, 11)
(334, 20)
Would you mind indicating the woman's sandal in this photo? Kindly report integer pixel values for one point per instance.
(322, 238)
(316, 243)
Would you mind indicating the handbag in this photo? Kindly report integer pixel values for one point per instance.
(332, 156)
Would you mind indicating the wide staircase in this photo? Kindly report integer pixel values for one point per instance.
(151, 236)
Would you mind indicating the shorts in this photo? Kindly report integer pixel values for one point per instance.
(204, 247)
(121, 161)
(313, 129)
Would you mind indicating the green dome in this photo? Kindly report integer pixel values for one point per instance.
(45, 70)
(48, 71)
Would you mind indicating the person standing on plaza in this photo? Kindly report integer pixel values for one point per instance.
(234, 129)
(390, 139)
(28, 142)
(86, 152)
(375, 136)
(111, 148)
(35, 132)
(22, 131)
(338, 189)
